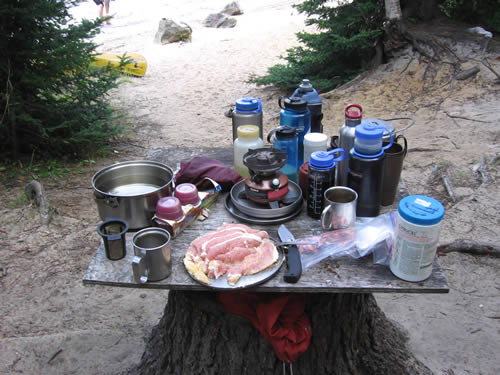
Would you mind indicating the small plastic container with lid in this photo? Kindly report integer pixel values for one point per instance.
(187, 194)
(417, 236)
(169, 208)
(314, 142)
(248, 138)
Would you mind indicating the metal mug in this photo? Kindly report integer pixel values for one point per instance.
(152, 260)
(339, 210)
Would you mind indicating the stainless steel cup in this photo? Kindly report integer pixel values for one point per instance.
(152, 260)
(339, 210)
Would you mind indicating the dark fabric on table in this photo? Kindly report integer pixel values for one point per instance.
(279, 317)
(195, 170)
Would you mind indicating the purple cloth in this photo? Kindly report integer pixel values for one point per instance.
(195, 170)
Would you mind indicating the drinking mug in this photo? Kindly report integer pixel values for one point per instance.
(152, 260)
(339, 210)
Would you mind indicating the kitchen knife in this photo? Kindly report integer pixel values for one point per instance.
(294, 264)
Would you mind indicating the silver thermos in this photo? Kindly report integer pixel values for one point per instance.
(353, 117)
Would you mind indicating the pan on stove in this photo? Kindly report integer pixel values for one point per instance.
(263, 211)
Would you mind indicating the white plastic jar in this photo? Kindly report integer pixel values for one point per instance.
(314, 142)
(417, 236)
(248, 138)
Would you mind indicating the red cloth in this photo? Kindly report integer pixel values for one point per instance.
(195, 170)
(280, 318)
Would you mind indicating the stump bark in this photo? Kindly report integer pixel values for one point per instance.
(351, 335)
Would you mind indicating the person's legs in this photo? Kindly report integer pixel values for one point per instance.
(106, 3)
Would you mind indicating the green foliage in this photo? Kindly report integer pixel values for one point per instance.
(341, 49)
(51, 101)
(485, 13)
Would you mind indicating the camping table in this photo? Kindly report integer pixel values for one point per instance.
(350, 282)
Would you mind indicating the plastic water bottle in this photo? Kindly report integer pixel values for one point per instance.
(314, 142)
(294, 113)
(366, 168)
(247, 111)
(321, 176)
(285, 139)
(248, 138)
(307, 92)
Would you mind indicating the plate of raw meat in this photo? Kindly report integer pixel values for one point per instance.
(233, 256)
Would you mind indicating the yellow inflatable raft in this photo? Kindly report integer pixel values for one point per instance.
(137, 65)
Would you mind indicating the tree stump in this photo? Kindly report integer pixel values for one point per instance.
(351, 335)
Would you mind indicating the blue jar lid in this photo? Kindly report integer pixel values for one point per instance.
(321, 160)
(369, 130)
(421, 210)
(248, 105)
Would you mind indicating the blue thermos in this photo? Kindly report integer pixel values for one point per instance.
(285, 139)
(307, 92)
(294, 113)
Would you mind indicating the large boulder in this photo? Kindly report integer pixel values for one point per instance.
(219, 20)
(232, 9)
(171, 32)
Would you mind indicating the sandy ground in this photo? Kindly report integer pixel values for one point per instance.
(52, 324)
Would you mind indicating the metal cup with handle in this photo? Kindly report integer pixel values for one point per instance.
(339, 210)
(152, 260)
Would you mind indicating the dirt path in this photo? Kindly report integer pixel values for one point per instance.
(53, 324)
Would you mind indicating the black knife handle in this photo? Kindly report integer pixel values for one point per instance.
(294, 265)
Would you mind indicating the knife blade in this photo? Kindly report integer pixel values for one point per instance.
(294, 264)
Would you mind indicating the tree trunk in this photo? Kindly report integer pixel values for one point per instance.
(392, 10)
(351, 335)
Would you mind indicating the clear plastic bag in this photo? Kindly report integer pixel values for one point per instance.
(369, 235)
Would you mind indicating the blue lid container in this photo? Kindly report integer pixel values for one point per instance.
(324, 160)
(249, 105)
(421, 210)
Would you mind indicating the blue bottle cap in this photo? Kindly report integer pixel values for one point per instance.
(421, 210)
(248, 105)
(369, 130)
(321, 160)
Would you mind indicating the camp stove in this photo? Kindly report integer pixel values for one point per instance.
(265, 184)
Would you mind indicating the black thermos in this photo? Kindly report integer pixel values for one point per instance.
(366, 168)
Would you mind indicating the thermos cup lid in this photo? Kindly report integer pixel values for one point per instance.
(187, 193)
(248, 131)
(169, 208)
(248, 104)
(421, 210)
(369, 131)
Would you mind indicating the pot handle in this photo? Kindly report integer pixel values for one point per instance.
(108, 200)
(140, 269)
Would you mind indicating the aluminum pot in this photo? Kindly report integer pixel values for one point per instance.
(131, 189)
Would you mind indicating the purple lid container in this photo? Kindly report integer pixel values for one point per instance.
(169, 208)
(187, 194)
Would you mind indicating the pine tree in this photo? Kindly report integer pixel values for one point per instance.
(51, 100)
(341, 49)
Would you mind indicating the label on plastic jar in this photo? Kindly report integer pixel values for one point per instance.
(417, 237)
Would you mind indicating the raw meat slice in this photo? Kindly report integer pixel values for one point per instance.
(234, 250)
